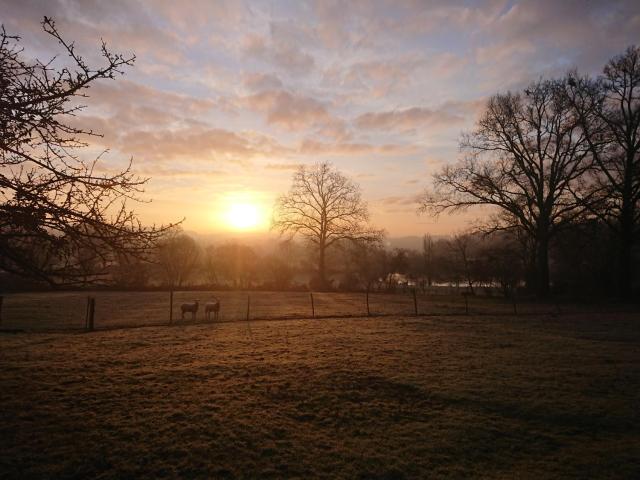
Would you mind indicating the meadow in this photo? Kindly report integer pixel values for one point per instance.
(66, 310)
(394, 397)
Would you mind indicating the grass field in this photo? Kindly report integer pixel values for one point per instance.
(388, 397)
(66, 310)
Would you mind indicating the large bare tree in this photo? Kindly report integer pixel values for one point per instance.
(609, 112)
(324, 207)
(59, 211)
(525, 158)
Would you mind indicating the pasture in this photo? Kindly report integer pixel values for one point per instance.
(65, 310)
(454, 396)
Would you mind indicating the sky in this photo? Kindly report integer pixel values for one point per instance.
(226, 99)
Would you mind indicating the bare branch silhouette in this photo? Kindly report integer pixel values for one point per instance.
(324, 207)
(62, 217)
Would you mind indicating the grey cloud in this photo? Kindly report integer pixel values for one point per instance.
(256, 81)
(313, 147)
(407, 119)
(293, 111)
(285, 55)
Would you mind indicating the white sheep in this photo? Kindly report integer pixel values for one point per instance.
(189, 307)
(212, 307)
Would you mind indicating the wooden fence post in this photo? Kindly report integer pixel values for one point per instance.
(170, 307)
(313, 307)
(367, 297)
(515, 306)
(91, 310)
(86, 314)
(1, 299)
(248, 306)
(415, 302)
(466, 303)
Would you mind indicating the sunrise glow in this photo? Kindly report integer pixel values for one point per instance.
(244, 216)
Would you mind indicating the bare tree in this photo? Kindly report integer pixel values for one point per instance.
(324, 207)
(211, 266)
(609, 113)
(461, 245)
(279, 267)
(526, 155)
(130, 271)
(367, 262)
(58, 212)
(502, 262)
(178, 256)
(276, 271)
(237, 263)
(428, 258)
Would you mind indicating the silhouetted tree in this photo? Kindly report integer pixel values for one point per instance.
(365, 263)
(609, 113)
(211, 266)
(178, 256)
(461, 245)
(131, 271)
(428, 259)
(396, 265)
(525, 157)
(324, 207)
(276, 272)
(583, 261)
(238, 264)
(55, 207)
(502, 261)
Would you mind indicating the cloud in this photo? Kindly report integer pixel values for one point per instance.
(289, 110)
(313, 147)
(169, 172)
(271, 84)
(195, 143)
(284, 55)
(407, 119)
(124, 94)
(377, 78)
(256, 82)
(282, 166)
(199, 144)
(399, 200)
(528, 39)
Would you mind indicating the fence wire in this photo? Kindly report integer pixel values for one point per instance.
(67, 310)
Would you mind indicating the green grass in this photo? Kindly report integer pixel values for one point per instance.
(389, 397)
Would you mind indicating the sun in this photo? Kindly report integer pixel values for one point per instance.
(243, 216)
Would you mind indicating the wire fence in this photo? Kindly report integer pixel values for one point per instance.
(72, 310)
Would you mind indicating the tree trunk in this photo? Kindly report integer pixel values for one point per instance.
(542, 266)
(625, 268)
(322, 279)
